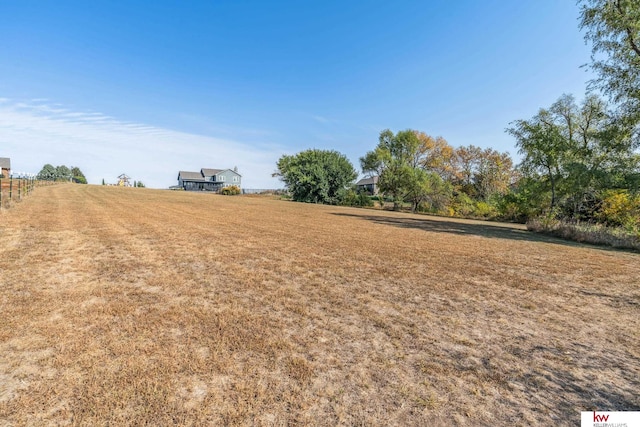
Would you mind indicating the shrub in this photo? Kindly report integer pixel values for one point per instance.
(619, 208)
(232, 190)
(380, 199)
(485, 210)
(351, 198)
(597, 234)
(462, 205)
(364, 200)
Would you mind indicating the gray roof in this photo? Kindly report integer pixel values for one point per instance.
(203, 174)
(368, 181)
(210, 172)
(190, 176)
(5, 163)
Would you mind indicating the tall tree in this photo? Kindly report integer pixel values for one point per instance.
(541, 143)
(63, 173)
(318, 176)
(494, 174)
(425, 187)
(480, 173)
(408, 165)
(394, 160)
(580, 149)
(467, 159)
(78, 176)
(613, 28)
(47, 173)
(439, 156)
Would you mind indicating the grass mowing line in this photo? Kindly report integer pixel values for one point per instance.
(162, 307)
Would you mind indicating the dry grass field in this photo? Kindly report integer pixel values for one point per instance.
(124, 306)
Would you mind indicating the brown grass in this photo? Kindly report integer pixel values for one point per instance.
(144, 307)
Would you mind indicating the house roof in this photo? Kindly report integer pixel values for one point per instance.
(210, 172)
(190, 176)
(368, 181)
(5, 163)
(203, 175)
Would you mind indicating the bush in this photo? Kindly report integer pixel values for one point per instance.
(597, 234)
(485, 210)
(352, 198)
(232, 190)
(619, 208)
(462, 205)
(364, 200)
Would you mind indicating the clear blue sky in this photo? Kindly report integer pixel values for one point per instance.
(151, 88)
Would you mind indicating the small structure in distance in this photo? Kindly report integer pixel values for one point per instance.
(124, 181)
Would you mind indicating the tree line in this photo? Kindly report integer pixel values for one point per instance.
(61, 173)
(414, 170)
(580, 160)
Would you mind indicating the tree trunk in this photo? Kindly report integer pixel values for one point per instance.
(553, 189)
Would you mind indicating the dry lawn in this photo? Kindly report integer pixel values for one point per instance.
(145, 307)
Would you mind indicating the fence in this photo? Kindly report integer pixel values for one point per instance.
(15, 189)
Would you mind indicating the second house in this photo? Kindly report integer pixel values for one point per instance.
(209, 179)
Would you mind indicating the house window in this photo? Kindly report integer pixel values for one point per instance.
(221, 178)
(235, 179)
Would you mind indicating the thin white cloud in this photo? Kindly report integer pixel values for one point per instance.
(320, 119)
(33, 134)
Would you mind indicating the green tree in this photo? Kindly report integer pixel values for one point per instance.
(395, 160)
(580, 150)
(613, 28)
(47, 173)
(318, 176)
(411, 167)
(425, 188)
(78, 176)
(542, 144)
(63, 173)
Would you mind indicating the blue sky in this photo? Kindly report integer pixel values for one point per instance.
(151, 88)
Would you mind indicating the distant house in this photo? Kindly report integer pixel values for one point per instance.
(5, 166)
(209, 179)
(368, 185)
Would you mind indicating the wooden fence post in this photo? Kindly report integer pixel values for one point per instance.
(10, 188)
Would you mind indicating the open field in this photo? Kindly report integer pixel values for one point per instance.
(124, 306)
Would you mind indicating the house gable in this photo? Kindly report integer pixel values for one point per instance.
(208, 173)
(5, 166)
(190, 176)
(228, 176)
(369, 185)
